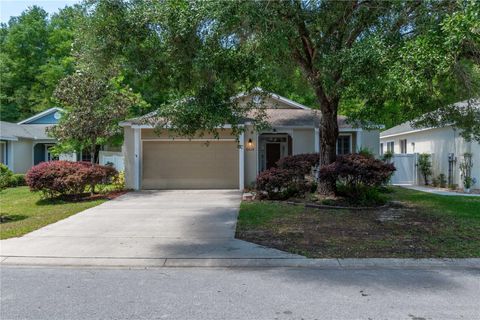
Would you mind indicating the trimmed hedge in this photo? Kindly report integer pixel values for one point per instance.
(357, 174)
(288, 179)
(59, 178)
(18, 180)
(5, 176)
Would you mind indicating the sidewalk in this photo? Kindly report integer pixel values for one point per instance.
(441, 192)
(382, 263)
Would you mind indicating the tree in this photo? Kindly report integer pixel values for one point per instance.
(94, 105)
(366, 53)
(35, 54)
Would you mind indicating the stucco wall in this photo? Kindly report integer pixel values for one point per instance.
(250, 156)
(128, 150)
(439, 143)
(22, 155)
(370, 139)
(303, 141)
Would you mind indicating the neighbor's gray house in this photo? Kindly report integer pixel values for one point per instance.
(26, 143)
(166, 161)
(445, 144)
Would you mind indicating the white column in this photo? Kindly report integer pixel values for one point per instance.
(359, 140)
(137, 149)
(241, 162)
(317, 140)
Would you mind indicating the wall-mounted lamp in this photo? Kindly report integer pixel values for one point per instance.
(250, 145)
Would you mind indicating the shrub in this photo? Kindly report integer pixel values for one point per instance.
(300, 164)
(442, 180)
(5, 176)
(56, 178)
(357, 174)
(280, 184)
(17, 180)
(425, 166)
(119, 181)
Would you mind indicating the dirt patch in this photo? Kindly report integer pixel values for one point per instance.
(395, 231)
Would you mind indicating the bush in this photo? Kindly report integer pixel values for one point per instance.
(356, 175)
(425, 166)
(18, 180)
(5, 176)
(281, 184)
(300, 164)
(59, 178)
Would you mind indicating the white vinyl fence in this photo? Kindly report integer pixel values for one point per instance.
(406, 165)
(114, 158)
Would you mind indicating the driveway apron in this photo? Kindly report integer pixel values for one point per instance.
(182, 224)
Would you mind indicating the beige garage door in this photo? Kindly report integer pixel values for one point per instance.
(190, 165)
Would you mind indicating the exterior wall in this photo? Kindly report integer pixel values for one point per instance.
(303, 141)
(22, 154)
(129, 157)
(251, 156)
(46, 119)
(370, 139)
(151, 134)
(439, 143)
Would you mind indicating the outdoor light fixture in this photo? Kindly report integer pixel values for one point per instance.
(250, 145)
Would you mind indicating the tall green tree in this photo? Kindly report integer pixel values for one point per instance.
(35, 53)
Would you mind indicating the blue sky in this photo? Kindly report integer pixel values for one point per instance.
(9, 8)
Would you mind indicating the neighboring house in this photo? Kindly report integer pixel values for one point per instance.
(26, 143)
(166, 161)
(445, 145)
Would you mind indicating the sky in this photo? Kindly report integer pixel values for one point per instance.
(12, 8)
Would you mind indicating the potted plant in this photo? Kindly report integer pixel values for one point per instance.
(468, 182)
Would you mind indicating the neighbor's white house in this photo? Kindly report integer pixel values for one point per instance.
(445, 145)
(167, 161)
(27, 143)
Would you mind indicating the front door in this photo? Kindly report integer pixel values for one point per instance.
(273, 154)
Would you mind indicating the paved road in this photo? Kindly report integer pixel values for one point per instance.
(280, 293)
(147, 226)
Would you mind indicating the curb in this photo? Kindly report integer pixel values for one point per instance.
(380, 263)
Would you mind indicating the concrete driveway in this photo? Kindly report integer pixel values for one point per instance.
(142, 228)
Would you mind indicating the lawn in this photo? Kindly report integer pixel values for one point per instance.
(422, 225)
(26, 211)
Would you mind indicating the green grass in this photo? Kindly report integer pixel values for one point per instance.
(427, 225)
(454, 206)
(26, 211)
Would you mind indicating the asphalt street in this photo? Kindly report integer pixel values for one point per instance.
(215, 293)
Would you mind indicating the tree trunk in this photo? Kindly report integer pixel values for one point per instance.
(328, 141)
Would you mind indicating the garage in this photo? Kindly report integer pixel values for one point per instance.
(190, 164)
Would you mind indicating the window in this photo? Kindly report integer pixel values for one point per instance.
(403, 146)
(344, 144)
(381, 149)
(391, 146)
(3, 152)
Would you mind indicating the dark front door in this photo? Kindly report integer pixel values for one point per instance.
(273, 154)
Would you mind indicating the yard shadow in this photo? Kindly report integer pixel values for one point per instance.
(12, 218)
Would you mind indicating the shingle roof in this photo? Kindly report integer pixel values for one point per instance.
(408, 126)
(13, 130)
(275, 117)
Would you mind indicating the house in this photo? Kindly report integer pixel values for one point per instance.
(166, 161)
(26, 143)
(445, 145)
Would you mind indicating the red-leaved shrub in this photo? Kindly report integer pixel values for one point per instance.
(356, 173)
(279, 184)
(56, 178)
(301, 164)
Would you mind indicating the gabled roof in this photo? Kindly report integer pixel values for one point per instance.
(408, 127)
(40, 115)
(13, 131)
(273, 96)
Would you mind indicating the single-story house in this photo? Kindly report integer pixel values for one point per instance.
(26, 143)
(166, 161)
(445, 145)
